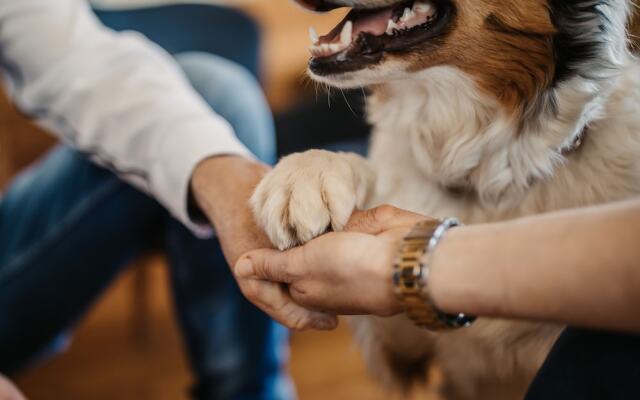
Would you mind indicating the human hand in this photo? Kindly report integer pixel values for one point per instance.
(221, 187)
(343, 273)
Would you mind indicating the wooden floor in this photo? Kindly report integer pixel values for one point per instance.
(120, 354)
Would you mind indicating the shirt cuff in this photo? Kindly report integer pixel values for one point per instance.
(177, 159)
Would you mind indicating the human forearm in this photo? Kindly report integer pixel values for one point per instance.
(576, 267)
(221, 187)
(580, 267)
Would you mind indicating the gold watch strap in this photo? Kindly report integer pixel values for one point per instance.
(410, 277)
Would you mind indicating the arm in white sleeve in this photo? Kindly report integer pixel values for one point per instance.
(115, 96)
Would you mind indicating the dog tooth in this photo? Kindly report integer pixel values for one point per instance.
(423, 8)
(346, 34)
(335, 47)
(391, 26)
(313, 35)
(407, 15)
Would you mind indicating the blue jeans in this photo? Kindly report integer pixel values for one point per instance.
(68, 228)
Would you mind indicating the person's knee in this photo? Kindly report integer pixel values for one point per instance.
(209, 69)
(235, 94)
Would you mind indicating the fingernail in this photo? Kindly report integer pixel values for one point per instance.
(244, 268)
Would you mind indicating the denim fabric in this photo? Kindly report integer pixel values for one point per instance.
(180, 28)
(68, 227)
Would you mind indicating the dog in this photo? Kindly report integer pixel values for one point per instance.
(485, 110)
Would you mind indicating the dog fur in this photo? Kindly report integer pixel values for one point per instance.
(474, 129)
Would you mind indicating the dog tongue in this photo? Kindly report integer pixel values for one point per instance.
(374, 23)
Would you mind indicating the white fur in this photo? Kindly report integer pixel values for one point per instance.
(311, 192)
(435, 129)
(514, 175)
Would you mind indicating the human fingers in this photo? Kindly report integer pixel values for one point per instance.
(274, 299)
(382, 218)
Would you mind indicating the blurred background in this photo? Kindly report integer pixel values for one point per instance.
(128, 346)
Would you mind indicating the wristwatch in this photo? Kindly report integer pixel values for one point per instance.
(411, 273)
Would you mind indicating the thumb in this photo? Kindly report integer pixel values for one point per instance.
(381, 219)
(268, 264)
(260, 273)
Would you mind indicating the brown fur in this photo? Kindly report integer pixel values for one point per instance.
(506, 46)
(634, 30)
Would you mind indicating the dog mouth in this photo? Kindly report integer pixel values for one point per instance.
(363, 37)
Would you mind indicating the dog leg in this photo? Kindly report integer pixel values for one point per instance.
(308, 193)
(397, 354)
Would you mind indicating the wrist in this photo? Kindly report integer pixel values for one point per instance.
(221, 189)
(217, 182)
(459, 273)
(412, 276)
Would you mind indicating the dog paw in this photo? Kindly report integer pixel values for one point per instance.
(308, 193)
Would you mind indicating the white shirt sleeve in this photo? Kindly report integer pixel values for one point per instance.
(115, 96)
